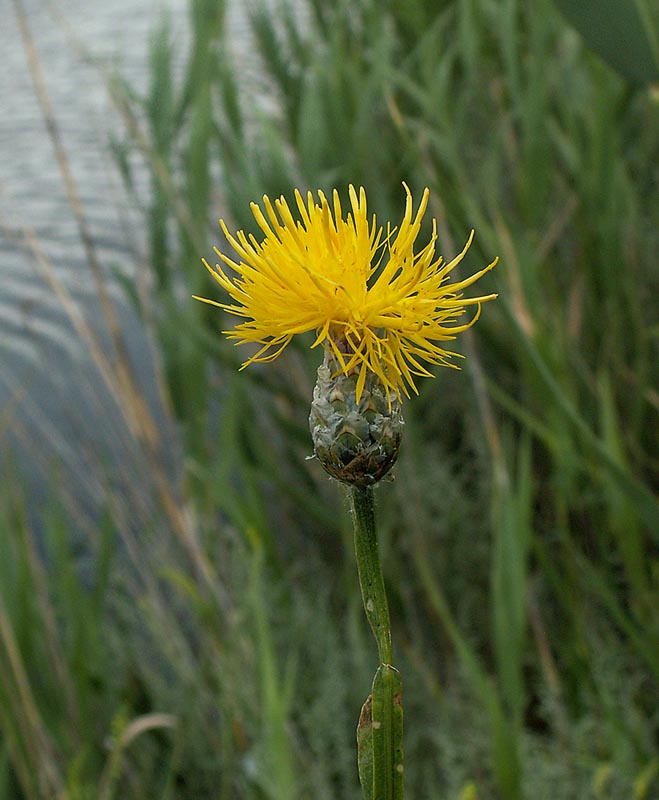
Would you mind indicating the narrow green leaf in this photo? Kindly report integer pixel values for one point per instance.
(646, 779)
(380, 735)
(365, 748)
(622, 32)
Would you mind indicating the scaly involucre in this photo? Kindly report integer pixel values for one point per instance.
(375, 302)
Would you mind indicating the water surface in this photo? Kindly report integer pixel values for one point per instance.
(56, 415)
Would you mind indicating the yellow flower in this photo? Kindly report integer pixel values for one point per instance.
(378, 305)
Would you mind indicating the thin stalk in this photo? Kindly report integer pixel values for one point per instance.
(369, 567)
(380, 729)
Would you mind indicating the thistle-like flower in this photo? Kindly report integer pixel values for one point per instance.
(381, 311)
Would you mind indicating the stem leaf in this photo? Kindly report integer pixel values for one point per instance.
(380, 738)
(365, 748)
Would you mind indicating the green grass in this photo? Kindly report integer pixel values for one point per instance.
(200, 633)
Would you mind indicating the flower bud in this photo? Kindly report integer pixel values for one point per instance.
(357, 442)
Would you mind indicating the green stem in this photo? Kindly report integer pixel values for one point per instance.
(380, 729)
(371, 580)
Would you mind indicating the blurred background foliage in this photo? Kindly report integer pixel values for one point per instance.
(202, 629)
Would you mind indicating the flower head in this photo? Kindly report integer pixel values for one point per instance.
(375, 303)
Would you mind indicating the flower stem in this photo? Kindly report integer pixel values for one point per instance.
(369, 567)
(380, 729)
